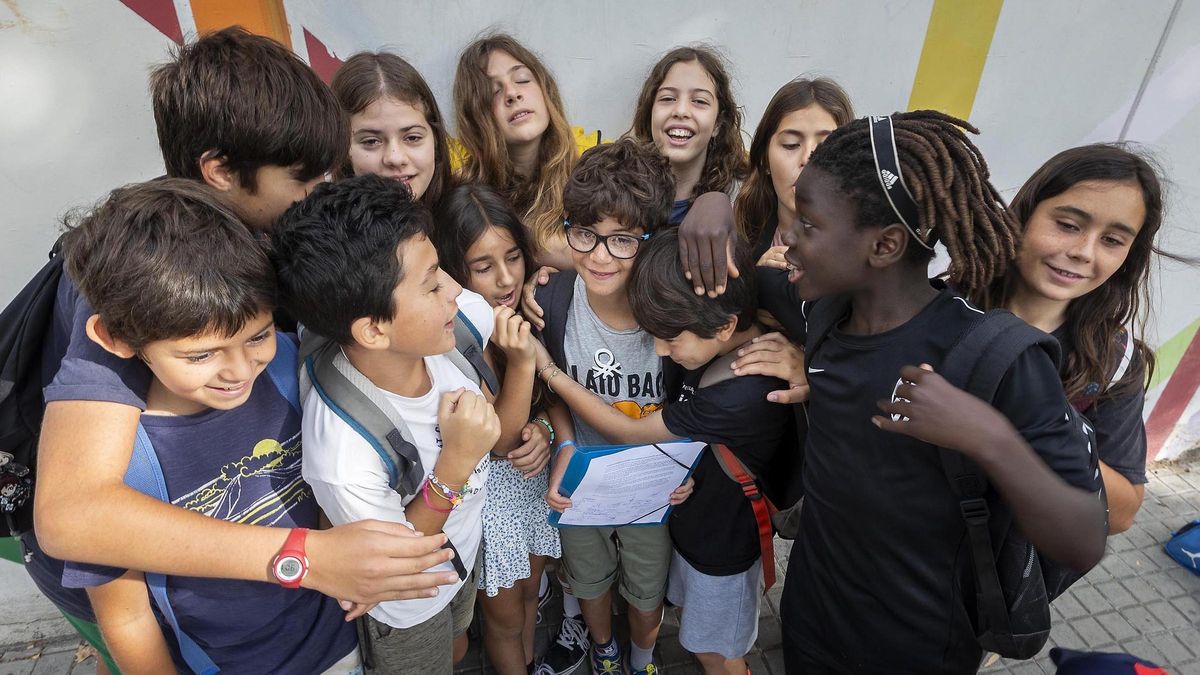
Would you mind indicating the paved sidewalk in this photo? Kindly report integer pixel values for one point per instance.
(1137, 600)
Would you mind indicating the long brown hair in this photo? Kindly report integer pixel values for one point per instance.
(367, 77)
(757, 199)
(538, 197)
(1096, 319)
(725, 161)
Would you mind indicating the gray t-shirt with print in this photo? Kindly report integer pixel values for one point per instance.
(620, 366)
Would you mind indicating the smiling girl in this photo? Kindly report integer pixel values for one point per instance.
(396, 129)
(1091, 215)
(687, 109)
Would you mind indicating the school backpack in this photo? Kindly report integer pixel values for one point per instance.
(769, 518)
(358, 402)
(1013, 585)
(24, 330)
(1094, 390)
(1184, 546)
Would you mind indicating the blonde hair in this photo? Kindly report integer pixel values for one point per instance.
(538, 197)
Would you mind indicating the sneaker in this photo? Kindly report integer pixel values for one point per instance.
(568, 651)
(606, 665)
(650, 669)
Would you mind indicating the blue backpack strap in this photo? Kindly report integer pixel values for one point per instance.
(282, 369)
(145, 475)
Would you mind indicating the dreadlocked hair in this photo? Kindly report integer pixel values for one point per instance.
(948, 178)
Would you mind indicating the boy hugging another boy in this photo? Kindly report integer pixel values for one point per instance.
(715, 572)
(178, 282)
(617, 197)
(356, 266)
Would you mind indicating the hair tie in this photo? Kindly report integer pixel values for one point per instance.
(887, 169)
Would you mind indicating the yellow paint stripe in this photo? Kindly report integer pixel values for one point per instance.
(956, 48)
(262, 17)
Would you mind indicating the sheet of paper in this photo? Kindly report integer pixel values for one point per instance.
(629, 487)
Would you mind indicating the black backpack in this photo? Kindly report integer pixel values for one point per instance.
(24, 330)
(1012, 584)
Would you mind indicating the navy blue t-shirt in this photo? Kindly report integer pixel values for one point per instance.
(875, 580)
(243, 466)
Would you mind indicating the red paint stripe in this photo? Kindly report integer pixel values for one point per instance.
(1177, 393)
(320, 59)
(160, 14)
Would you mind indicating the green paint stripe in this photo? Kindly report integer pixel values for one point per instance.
(1168, 356)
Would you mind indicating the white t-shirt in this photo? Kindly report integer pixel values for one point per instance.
(351, 484)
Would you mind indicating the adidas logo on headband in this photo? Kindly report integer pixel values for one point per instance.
(888, 178)
(887, 164)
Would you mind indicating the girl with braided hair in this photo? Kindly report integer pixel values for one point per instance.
(1090, 217)
(880, 577)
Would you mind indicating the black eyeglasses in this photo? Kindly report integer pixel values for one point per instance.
(623, 246)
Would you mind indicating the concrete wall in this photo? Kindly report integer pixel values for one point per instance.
(75, 118)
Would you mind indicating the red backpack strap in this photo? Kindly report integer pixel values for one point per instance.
(763, 508)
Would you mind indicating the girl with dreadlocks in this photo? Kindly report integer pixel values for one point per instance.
(1090, 218)
(877, 579)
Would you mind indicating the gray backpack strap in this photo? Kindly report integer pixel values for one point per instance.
(719, 370)
(359, 403)
(467, 354)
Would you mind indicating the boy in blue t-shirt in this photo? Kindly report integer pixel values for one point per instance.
(179, 283)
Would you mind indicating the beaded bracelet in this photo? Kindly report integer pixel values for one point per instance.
(563, 445)
(549, 427)
(425, 496)
(455, 497)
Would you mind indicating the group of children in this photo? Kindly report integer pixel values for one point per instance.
(670, 276)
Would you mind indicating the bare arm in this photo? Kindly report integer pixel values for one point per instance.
(512, 334)
(85, 512)
(1124, 499)
(614, 424)
(127, 623)
(1064, 522)
(705, 241)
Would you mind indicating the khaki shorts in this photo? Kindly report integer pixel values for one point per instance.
(427, 647)
(593, 558)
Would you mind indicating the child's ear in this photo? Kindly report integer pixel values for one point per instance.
(887, 248)
(216, 172)
(97, 332)
(725, 332)
(368, 334)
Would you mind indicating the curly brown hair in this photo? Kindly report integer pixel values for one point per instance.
(629, 181)
(725, 161)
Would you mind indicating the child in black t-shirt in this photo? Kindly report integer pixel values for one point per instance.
(1090, 217)
(715, 572)
(878, 575)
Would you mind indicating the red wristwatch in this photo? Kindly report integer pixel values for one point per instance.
(290, 565)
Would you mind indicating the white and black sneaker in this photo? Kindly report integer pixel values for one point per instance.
(544, 599)
(568, 651)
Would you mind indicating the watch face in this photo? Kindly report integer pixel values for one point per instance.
(289, 568)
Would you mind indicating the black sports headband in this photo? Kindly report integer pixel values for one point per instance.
(891, 179)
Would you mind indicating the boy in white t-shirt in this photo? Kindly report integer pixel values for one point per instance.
(356, 266)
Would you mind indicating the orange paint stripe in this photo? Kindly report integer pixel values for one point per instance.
(262, 17)
(1173, 400)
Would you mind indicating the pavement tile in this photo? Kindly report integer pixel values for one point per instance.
(770, 634)
(1173, 652)
(84, 667)
(1116, 625)
(1091, 631)
(17, 667)
(756, 663)
(57, 663)
(1166, 586)
(1121, 543)
(774, 659)
(1142, 648)
(1069, 607)
(1090, 597)
(1140, 589)
(1142, 620)
(1115, 594)
(1167, 614)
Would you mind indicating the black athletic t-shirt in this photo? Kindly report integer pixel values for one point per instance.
(1117, 419)
(715, 530)
(874, 579)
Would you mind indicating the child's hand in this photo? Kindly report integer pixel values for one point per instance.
(553, 497)
(706, 238)
(529, 306)
(681, 493)
(773, 257)
(512, 334)
(927, 407)
(470, 429)
(776, 356)
(534, 453)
